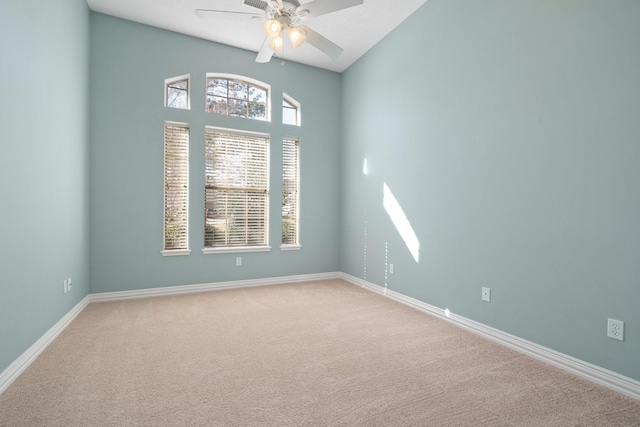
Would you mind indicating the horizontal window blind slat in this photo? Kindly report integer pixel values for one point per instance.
(176, 180)
(290, 184)
(236, 188)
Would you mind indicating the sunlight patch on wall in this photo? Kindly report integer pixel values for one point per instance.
(401, 222)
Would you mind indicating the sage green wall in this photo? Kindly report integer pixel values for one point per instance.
(44, 100)
(129, 64)
(508, 132)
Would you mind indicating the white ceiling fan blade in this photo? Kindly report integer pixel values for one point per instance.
(265, 53)
(212, 13)
(322, 7)
(321, 43)
(258, 4)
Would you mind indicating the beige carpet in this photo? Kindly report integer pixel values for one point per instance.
(316, 353)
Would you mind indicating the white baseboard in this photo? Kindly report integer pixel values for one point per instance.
(185, 289)
(13, 371)
(596, 374)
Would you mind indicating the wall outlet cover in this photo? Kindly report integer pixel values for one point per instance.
(615, 329)
(486, 294)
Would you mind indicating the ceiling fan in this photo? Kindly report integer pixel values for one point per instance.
(282, 16)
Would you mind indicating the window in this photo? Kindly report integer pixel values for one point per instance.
(176, 189)
(290, 110)
(176, 94)
(236, 97)
(236, 191)
(290, 192)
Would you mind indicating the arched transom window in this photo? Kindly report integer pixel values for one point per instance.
(236, 96)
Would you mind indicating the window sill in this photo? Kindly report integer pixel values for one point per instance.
(236, 249)
(176, 252)
(295, 247)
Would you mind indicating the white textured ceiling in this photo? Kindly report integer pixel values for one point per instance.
(356, 29)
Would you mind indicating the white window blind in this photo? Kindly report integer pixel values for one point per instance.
(290, 190)
(236, 189)
(176, 186)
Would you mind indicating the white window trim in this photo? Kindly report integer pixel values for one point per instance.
(240, 132)
(167, 82)
(296, 104)
(235, 249)
(176, 252)
(263, 85)
(294, 247)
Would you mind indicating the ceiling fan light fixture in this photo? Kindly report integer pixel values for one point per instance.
(297, 36)
(276, 43)
(272, 28)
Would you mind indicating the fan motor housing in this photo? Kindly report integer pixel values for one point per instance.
(289, 10)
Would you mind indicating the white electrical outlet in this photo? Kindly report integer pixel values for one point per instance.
(69, 284)
(65, 285)
(390, 268)
(238, 261)
(615, 329)
(486, 294)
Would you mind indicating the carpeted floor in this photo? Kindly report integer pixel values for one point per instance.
(316, 353)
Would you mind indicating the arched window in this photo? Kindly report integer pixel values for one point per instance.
(237, 162)
(238, 96)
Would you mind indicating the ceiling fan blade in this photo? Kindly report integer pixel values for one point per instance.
(258, 4)
(265, 53)
(322, 7)
(321, 43)
(212, 13)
